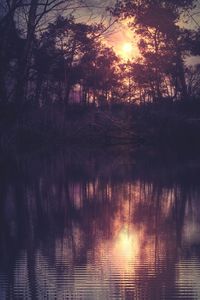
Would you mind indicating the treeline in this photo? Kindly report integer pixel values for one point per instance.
(46, 59)
(164, 44)
(49, 60)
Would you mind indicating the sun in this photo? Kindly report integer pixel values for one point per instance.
(127, 50)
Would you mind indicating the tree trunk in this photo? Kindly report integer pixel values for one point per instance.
(67, 93)
(39, 83)
(27, 54)
(158, 79)
(181, 74)
(7, 25)
(183, 85)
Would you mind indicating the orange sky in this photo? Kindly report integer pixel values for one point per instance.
(123, 41)
(120, 34)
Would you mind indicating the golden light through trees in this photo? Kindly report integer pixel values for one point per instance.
(124, 48)
(124, 41)
(127, 51)
(127, 48)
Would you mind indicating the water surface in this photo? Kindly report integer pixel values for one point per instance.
(99, 225)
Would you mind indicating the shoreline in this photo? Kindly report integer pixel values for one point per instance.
(157, 125)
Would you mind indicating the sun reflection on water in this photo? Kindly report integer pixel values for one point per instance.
(127, 244)
(124, 250)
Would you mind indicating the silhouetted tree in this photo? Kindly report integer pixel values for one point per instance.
(62, 55)
(162, 39)
(28, 17)
(193, 80)
(100, 74)
(11, 45)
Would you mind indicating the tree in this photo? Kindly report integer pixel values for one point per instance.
(11, 44)
(162, 39)
(62, 52)
(100, 74)
(193, 80)
(27, 17)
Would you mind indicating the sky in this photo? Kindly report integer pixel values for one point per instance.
(120, 37)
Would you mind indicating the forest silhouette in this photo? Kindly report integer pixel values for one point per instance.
(60, 81)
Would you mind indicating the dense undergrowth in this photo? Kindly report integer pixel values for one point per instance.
(162, 124)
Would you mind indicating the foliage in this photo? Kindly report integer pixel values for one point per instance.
(163, 44)
(62, 62)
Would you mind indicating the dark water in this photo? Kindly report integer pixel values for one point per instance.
(82, 225)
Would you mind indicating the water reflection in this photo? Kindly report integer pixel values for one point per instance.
(98, 227)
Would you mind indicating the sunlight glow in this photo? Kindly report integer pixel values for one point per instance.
(127, 48)
(125, 250)
(127, 245)
(127, 51)
(123, 41)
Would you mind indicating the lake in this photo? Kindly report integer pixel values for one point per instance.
(99, 224)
